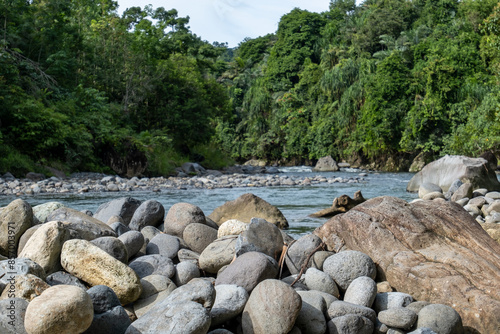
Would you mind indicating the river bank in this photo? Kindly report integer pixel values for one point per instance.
(99, 183)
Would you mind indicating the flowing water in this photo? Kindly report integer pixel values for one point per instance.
(295, 202)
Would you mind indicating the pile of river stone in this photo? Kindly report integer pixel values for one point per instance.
(87, 182)
(481, 204)
(131, 269)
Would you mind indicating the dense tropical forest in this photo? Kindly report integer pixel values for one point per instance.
(84, 89)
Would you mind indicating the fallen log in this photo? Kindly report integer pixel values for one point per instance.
(341, 204)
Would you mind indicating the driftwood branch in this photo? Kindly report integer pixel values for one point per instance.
(340, 204)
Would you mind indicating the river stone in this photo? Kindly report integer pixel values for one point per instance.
(96, 267)
(231, 227)
(81, 225)
(387, 300)
(133, 241)
(362, 291)
(185, 272)
(318, 280)
(427, 188)
(15, 219)
(109, 316)
(417, 306)
(433, 195)
(149, 232)
(149, 213)
(12, 315)
(225, 331)
(433, 251)
(328, 298)
(319, 258)
(123, 207)
(62, 309)
(63, 278)
(465, 191)
(174, 318)
(155, 264)
(447, 169)
(26, 286)
(350, 323)
(113, 246)
(344, 267)
(44, 246)
(181, 215)
(218, 254)
(493, 195)
(272, 308)
(229, 303)
(454, 187)
(199, 290)
(422, 330)
(25, 237)
(155, 288)
(260, 236)
(299, 251)
(199, 236)
(311, 319)
(248, 270)
(340, 308)
(398, 317)
(246, 207)
(42, 211)
(188, 255)
(163, 244)
(114, 321)
(326, 164)
(119, 228)
(440, 318)
(19, 266)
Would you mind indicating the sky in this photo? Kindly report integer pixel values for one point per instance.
(231, 20)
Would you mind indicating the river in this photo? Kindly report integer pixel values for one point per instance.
(296, 202)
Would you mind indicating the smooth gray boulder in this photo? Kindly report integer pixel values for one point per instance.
(362, 291)
(80, 225)
(155, 264)
(260, 236)
(149, 213)
(447, 169)
(229, 302)
(113, 246)
(318, 280)
(340, 308)
(350, 323)
(387, 300)
(299, 251)
(123, 207)
(398, 317)
(326, 164)
(181, 215)
(273, 308)
(248, 270)
(163, 244)
(311, 319)
(109, 315)
(344, 267)
(218, 254)
(199, 236)
(442, 319)
(133, 241)
(184, 272)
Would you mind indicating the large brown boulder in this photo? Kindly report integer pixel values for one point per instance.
(246, 207)
(444, 171)
(432, 250)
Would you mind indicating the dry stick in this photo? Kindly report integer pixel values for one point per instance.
(283, 256)
(321, 246)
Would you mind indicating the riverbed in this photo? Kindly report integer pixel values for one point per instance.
(296, 202)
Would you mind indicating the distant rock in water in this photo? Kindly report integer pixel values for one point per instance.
(246, 207)
(449, 168)
(326, 164)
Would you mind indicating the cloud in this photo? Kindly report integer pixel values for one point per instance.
(231, 20)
